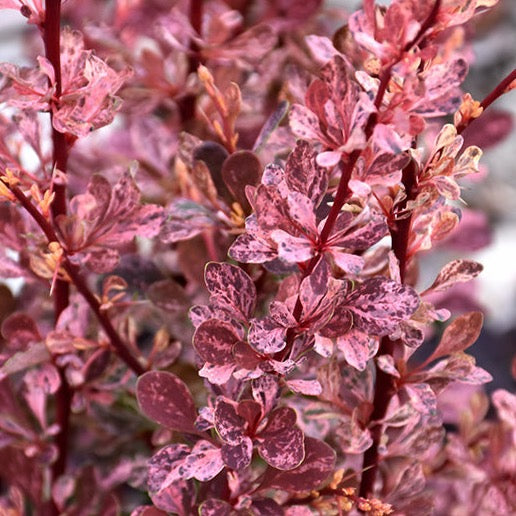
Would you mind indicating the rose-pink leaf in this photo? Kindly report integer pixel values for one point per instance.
(457, 271)
(358, 347)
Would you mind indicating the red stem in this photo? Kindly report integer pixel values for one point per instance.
(385, 385)
(72, 270)
(51, 38)
(498, 91)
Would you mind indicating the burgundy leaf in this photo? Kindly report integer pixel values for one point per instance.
(214, 340)
(265, 391)
(230, 426)
(238, 456)
(20, 330)
(230, 285)
(459, 335)
(169, 296)
(214, 507)
(282, 443)
(457, 271)
(164, 398)
(317, 466)
(240, 169)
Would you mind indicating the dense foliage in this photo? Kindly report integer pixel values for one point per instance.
(220, 311)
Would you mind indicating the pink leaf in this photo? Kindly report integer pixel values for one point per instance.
(457, 271)
(318, 464)
(292, 249)
(231, 287)
(357, 347)
(164, 398)
(306, 387)
(265, 391)
(303, 175)
(379, 304)
(304, 123)
(351, 437)
(266, 336)
(204, 462)
(164, 468)
(459, 335)
(249, 249)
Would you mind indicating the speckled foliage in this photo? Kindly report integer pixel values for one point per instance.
(219, 309)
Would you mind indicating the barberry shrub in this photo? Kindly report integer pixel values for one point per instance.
(219, 310)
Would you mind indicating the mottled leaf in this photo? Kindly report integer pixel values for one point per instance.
(457, 271)
(214, 340)
(459, 335)
(358, 347)
(238, 456)
(281, 442)
(164, 398)
(204, 462)
(266, 335)
(231, 287)
(303, 175)
(230, 426)
(304, 123)
(317, 466)
(265, 391)
(164, 468)
(379, 304)
(214, 507)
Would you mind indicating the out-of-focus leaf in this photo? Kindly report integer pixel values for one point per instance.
(164, 398)
(36, 354)
(270, 125)
(240, 169)
(459, 335)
